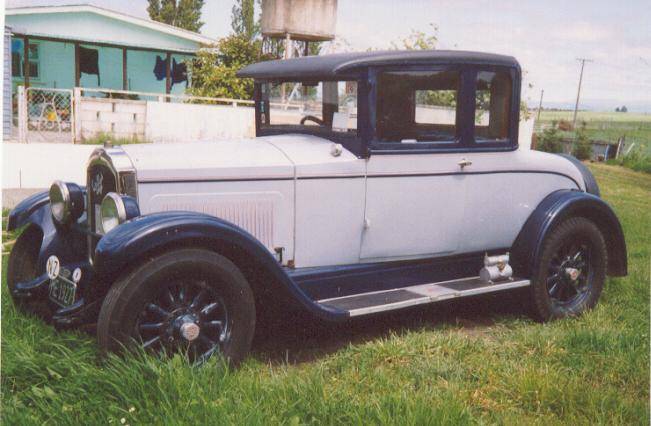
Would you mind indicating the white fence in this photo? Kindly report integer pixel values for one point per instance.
(45, 115)
(57, 115)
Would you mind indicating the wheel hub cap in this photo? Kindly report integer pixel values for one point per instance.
(190, 331)
(572, 273)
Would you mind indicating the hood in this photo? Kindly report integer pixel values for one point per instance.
(272, 157)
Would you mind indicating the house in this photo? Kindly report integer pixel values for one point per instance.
(89, 46)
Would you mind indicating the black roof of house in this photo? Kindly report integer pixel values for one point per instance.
(330, 66)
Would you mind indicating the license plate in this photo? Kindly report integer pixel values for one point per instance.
(62, 291)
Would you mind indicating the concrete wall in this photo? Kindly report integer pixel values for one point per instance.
(162, 121)
(121, 118)
(181, 122)
(32, 166)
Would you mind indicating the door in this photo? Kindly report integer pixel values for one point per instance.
(415, 192)
(414, 206)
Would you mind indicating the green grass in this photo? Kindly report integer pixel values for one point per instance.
(468, 362)
(102, 138)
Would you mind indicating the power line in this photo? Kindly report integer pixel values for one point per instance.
(578, 92)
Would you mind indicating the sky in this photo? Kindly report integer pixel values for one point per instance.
(545, 36)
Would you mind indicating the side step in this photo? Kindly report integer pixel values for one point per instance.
(388, 300)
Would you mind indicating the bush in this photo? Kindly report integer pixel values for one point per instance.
(549, 140)
(582, 148)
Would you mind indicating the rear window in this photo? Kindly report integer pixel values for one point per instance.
(492, 106)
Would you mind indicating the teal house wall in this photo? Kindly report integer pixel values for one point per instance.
(56, 35)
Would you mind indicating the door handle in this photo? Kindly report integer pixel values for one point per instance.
(464, 162)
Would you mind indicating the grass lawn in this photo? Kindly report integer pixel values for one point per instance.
(480, 361)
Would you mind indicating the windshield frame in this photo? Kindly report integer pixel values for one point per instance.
(351, 141)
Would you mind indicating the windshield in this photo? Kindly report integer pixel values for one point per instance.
(318, 107)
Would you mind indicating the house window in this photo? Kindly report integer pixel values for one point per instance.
(17, 52)
(16, 64)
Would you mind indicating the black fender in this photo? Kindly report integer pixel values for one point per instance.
(20, 215)
(555, 208)
(66, 242)
(591, 185)
(139, 239)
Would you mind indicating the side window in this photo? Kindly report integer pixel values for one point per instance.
(417, 107)
(492, 106)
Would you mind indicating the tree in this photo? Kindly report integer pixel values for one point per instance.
(617, 109)
(213, 72)
(418, 40)
(184, 14)
(243, 20)
(623, 108)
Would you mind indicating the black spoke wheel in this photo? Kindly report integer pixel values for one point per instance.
(190, 301)
(186, 316)
(571, 270)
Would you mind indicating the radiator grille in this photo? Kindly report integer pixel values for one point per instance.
(101, 181)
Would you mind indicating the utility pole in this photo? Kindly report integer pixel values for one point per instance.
(578, 93)
(542, 91)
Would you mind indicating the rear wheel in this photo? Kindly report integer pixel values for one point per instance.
(189, 301)
(571, 271)
(22, 267)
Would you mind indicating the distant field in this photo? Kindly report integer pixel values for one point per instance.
(608, 126)
(590, 116)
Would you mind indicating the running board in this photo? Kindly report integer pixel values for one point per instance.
(388, 300)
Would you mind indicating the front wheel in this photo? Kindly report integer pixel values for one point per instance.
(191, 301)
(22, 267)
(571, 271)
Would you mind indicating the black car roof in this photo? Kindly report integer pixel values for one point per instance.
(331, 66)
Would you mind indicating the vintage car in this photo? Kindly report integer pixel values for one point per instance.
(377, 181)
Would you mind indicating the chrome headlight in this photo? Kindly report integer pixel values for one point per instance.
(117, 209)
(66, 202)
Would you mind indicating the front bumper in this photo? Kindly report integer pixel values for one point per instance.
(84, 310)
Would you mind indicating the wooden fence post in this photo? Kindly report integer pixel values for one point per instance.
(22, 114)
(76, 115)
(619, 146)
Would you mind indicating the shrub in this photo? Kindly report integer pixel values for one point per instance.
(549, 140)
(565, 125)
(582, 148)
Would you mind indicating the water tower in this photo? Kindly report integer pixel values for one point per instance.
(303, 21)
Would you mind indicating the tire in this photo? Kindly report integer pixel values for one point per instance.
(22, 267)
(571, 271)
(155, 306)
